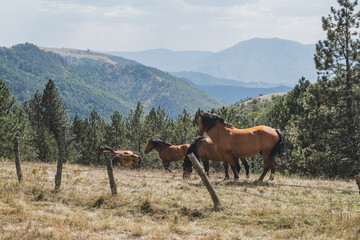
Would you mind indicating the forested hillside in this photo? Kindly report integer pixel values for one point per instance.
(88, 81)
(320, 121)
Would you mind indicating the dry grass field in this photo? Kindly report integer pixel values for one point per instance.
(159, 205)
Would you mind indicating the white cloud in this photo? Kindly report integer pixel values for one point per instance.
(130, 25)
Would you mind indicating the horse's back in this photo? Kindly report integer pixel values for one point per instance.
(248, 142)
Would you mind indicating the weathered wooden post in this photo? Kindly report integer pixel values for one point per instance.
(17, 158)
(61, 145)
(110, 172)
(205, 180)
(357, 178)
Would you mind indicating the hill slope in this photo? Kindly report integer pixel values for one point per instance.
(88, 80)
(165, 59)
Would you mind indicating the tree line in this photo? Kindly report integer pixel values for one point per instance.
(321, 121)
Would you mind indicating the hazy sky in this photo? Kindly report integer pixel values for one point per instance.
(135, 25)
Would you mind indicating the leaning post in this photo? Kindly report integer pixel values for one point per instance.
(61, 145)
(205, 180)
(357, 178)
(110, 172)
(17, 158)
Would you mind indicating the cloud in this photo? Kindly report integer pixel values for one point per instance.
(130, 25)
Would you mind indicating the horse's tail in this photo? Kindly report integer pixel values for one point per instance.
(279, 145)
(191, 149)
(139, 161)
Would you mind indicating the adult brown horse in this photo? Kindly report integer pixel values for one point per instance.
(232, 143)
(167, 152)
(127, 158)
(204, 150)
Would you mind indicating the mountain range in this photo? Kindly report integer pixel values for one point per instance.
(266, 62)
(87, 80)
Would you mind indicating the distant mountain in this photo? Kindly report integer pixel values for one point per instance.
(88, 80)
(166, 60)
(274, 61)
(267, 60)
(233, 94)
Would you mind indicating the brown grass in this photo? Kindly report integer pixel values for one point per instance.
(159, 205)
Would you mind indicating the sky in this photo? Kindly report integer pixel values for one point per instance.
(136, 25)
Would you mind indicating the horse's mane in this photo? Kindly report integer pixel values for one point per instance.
(157, 141)
(209, 120)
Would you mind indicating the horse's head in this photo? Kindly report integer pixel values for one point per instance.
(201, 127)
(208, 121)
(187, 167)
(150, 146)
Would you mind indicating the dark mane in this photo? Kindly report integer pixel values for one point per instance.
(157, 141)
(209, 120)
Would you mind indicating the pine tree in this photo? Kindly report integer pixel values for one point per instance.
(54, 115)
(337, 59)
(184, 131)
(135, 128)
(95, 130)
(6, 103)
(115, 132)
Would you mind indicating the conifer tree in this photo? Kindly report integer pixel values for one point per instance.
(6, 103)
(115, 131)
(337, 59)
(54, 115)
(135, 129)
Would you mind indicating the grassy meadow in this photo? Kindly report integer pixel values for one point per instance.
(153, 204)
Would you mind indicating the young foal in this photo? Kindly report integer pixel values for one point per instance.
(204, 150)
(167, 152)
(233, 143)
(114, 153)
(127, 158)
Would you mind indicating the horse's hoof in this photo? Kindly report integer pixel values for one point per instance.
(226, 178)
(271, 177)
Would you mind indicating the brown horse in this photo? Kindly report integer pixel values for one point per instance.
(232, 143)
(204, 150)
(167, 152)
(127, 158)
(114, 152)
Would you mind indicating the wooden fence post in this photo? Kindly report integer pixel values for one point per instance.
(205, 180)
(61, 146)
(357, 178)
(110, 173)
(17, 158)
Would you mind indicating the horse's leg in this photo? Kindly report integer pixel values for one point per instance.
(272, 167)
(246, 165)
(233, 167)
(166, 166)
(206, 165)
(226, 168)
(237, 165)
(267, 164)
